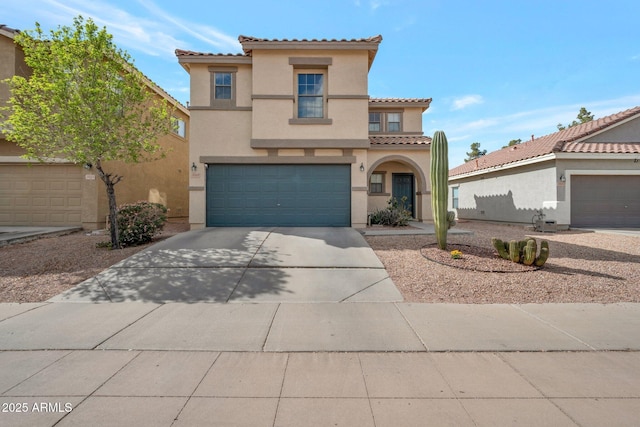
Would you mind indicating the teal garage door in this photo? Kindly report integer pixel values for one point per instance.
(279, 195)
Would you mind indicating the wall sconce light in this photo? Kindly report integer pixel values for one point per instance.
(194, 167)
(87, 166)
(562, 178)
(361, 167)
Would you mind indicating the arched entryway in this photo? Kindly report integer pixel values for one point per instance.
(395, 176)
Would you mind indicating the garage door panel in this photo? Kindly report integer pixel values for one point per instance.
(48, 195)
(278, 195)
(605, 201)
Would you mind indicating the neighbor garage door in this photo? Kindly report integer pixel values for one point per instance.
(279, 195)
(40, 195)
(605, 201)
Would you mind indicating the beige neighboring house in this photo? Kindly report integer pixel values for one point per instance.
(285, 134)
(60, 193)
(584, 176)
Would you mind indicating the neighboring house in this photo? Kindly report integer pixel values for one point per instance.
(285, 133)
(60, 193)
(584, 176)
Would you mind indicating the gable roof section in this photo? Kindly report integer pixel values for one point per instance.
(370, 44)
(569, 140)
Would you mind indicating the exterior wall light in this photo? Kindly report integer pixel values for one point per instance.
(361, 167)
(194, 167)
(562, 178)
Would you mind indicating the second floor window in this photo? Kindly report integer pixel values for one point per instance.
(393, 122)
(384, 122)
(375, 125)
(179, 127)
(222, 86)
(310, 96)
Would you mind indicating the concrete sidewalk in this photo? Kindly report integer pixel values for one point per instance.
(18, 234)
(287, 364)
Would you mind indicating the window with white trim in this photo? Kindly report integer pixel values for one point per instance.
(311, 95)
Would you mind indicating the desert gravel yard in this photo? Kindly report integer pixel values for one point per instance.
(40, 269)
(582, 267)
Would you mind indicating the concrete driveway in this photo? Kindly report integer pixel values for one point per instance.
(246, 265)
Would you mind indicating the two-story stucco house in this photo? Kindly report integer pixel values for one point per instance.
(60, 193)
(285, 134)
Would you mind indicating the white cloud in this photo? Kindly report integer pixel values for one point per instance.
(466, 101)
(156, 33)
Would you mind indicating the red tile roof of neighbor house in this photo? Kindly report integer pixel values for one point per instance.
(400, 140)
(564, 141)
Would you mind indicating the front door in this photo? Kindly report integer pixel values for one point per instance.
(403, 187)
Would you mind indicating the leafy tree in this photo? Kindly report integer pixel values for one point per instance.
(583, 116)
(84, 102)
(475, 152)
(513, 142)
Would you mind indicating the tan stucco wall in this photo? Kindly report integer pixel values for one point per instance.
(412, 120)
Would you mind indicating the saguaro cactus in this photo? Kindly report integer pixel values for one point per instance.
(439, 173)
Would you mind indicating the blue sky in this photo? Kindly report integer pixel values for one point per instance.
(497, 70)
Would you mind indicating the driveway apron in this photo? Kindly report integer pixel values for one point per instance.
(227, 265)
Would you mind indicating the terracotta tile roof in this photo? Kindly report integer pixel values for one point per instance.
(566, 141)
(400, 140)
(180, 52)
(400, 100)
(374, 39)
(8, 31)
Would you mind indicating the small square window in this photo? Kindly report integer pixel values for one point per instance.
(179, 127)
(223, 85)
(376, 184)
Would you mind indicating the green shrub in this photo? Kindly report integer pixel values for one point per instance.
(139, 222)
(395, 214)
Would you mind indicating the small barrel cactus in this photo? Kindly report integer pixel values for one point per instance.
(544, 254)
(522, 251)
(514, 251)
(529, 254)
(501, 247)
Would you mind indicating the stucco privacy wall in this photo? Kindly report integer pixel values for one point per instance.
(510, 195)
